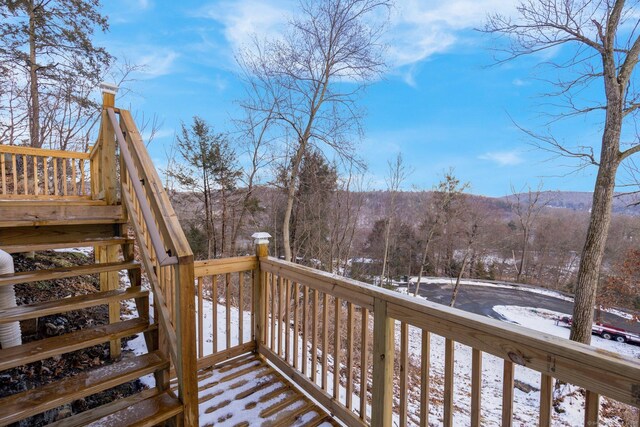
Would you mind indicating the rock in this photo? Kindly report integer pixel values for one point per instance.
(527, 388)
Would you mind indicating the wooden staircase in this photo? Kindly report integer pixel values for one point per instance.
(52, 200)
(150, 407)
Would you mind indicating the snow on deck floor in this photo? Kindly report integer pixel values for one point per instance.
(248, 392)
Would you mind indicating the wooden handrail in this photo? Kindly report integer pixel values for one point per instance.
(43, 152)
(164, 250)
(598, 371)
(165, 258)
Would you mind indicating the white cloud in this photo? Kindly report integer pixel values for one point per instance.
(145, 4)
(520, 82)
(421, 28)
(245, 18)
(157, 62)
(503, 158)
(417, 30)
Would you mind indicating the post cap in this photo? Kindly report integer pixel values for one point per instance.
(261, 237)
(111, 88)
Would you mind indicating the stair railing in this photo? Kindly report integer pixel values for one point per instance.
(164, 252)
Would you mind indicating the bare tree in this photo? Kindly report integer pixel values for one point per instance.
(255, 139)
(437, 214)
(604, 37)
(472, 221)
(397, 174)
(527, 207)
(345, 213)
(311, 78)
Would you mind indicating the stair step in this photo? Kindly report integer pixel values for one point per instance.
(17, 214)
(95, 414)
(145, 413)
(34, 247)
(32, 311)
(63, 272)
(35, 401)
(49, 347)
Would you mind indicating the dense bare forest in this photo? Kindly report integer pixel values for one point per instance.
(342, 231)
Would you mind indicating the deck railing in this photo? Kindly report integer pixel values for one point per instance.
(34, 173)
(347, 344)
(224, 308)
(163, 248)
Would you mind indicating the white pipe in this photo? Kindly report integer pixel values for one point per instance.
(10, 335)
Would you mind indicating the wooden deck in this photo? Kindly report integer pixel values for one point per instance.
(246, 391)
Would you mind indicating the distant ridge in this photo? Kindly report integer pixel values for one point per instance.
(625, 204)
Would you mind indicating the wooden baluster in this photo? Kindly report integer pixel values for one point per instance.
(350, 327)
(305, 328)
(337, 334)
(425, 367)
(25, 174)
(14, 169)
(45, 166)
(73, 177)
(507, 394)
(404, 370)
(296, 334)
(55, 176)
(3, 173)
(273, 313)
(287, 326)
(214, 319)
(592, 409)
(255, 314)
(325, 339)
(227, 298)
(36, 183)
(265, 311)
(546, 399)
(82, 188)
(240, 307)
(64, 177)
(383, 355)
(314, 337)
(200, 319)
(476, 386)
(280, 319)
(364, 361)
(448, 382)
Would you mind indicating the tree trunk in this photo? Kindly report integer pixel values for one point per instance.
(525, 239)
(386, 250)
(34, 117)
(423, 263)
(291, 193)
(600, 219)
(454, 295)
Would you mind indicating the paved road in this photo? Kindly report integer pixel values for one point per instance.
(482, 299)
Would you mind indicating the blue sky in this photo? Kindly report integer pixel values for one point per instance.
(441, 102)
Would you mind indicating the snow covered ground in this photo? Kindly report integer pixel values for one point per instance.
(570, 402)
(569, 407)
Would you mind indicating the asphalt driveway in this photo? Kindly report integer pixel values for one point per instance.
(482, 299)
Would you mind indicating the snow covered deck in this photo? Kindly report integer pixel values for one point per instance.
(246, 391)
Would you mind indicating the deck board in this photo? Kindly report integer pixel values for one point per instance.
(246, 391)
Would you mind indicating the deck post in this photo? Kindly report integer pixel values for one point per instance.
(383, 354)
(107, 166)
(261, 241)
(108, 147)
